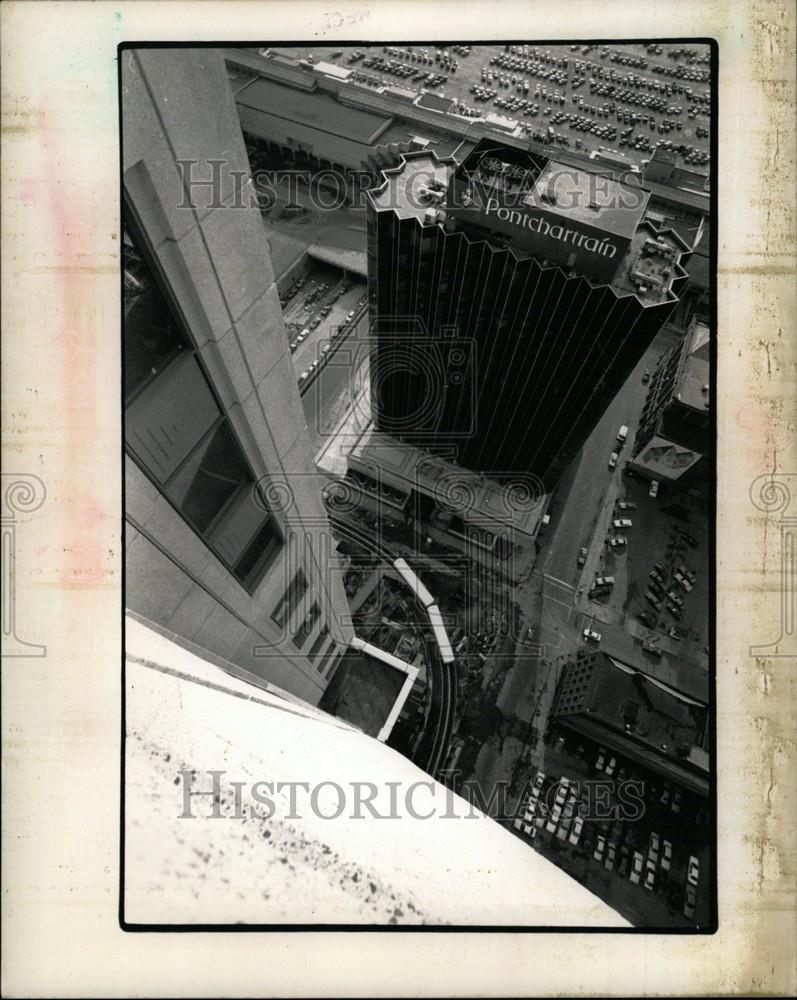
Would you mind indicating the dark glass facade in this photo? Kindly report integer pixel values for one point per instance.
(496, 358)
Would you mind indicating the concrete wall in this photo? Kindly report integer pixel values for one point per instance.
(211, 248)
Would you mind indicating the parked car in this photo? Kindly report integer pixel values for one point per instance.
(651, 598)
(619, 542)
(601, 759)
(604, 581)
(651, 647)
(650, 877)
(589, 634)
(653, 849)
(575, 832)
(611, 854)
(689, 901)
(626, 505)
(553, 822)
(610, 766)
(636, 868)
(666, 856)
(622, 434)
(653, 492)
(683, 582)
(693, 871)
(622, 522)
(675, 805)
(600, 847)
(645, 377)
(582, 556)
(674, 611)
(690, 540)
(613, 460)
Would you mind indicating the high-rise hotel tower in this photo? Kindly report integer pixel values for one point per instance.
(510, 297)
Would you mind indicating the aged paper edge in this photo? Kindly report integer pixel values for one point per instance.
(61, 424)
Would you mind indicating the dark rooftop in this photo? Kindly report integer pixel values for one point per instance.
(646, 270)
(316, 109)
(363, 691)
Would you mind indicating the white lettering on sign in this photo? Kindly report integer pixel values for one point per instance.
(536, 224)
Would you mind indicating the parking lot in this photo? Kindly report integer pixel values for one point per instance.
(622, 831)
(657, 579)
(320, 310)
(625, 98)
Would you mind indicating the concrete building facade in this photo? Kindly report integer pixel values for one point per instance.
(673, 440)
(228, 547)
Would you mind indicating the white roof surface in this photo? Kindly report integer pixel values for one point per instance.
(185, 714)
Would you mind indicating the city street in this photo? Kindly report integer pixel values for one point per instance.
(331, 393)
(589, 485)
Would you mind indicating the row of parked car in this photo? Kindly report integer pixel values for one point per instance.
(660, 593)
(334, 333)
(286, 296)
(641, 856)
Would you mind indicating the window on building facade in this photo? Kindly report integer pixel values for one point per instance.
(290, 599)
(177, 433)
(307, 626)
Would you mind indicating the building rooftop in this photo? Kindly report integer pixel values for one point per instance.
(650, 265)
(593, 199)
(646, 270)
(693, 378)
(490, 505)
(316, 109)
(638, 706)
(403, 186)
(363, 691)
(292, 865)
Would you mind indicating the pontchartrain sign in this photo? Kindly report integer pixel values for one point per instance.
(535, 222)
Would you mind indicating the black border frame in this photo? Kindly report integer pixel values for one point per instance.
(713, 925)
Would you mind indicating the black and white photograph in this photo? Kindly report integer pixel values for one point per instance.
(419, 465)
(399, 499)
